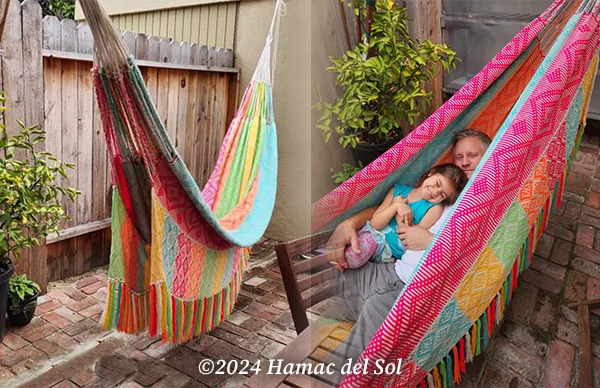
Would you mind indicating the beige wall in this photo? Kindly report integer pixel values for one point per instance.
(117, 7)
(310, 32)
(292, 90)
(210, 25)
(328, 37)
(203, 24)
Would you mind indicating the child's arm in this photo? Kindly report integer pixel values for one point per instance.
(387, 210)
(432, 216)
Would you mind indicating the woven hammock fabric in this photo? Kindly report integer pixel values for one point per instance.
(532, 100)
(178, 253)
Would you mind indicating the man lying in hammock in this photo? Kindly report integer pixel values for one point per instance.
(370, 291)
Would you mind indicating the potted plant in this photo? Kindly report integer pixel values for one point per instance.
(22, 300)
(382, 89)
(30, 192)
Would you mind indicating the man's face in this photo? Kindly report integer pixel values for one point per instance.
(468, 153)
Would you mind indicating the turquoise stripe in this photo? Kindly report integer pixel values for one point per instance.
(441, 336)
(170, 247)
(229, 269)
(449, 370)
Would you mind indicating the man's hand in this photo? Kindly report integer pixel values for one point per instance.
(414, 238)
(343, 235)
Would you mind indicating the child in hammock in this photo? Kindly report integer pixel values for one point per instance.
(422, 205)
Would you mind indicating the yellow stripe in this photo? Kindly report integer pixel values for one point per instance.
(158, 221)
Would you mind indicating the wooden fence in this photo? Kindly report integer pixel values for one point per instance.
(45, 74)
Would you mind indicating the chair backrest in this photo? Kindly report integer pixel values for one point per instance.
(302, 271)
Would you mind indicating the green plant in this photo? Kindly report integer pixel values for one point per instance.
(20, 289)
(30, 190)
(347, 172)
(381, 90)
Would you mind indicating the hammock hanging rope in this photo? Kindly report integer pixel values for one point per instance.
(178, 253)
(532, 99)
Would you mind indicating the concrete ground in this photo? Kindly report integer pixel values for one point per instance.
(536, 345)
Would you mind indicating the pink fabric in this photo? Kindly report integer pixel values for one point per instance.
(367, 245)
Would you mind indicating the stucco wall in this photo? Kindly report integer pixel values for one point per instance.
(311, 31)
(328, 39)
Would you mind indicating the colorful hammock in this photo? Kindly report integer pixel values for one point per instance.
(532, 99)
(178, 253)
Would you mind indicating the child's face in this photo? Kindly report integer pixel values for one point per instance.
(437, 188)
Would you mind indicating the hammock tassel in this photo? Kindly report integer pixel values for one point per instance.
(456, 363)
(468, 348)
(444, 373)
(449, 371)
(430, 382)
(436, 378)
(463, 365)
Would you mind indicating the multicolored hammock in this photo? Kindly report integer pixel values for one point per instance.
(532, 99)
(178, 253)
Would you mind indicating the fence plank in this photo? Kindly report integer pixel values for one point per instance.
(212, 56)
(51, 33)
(141, 52)
(129, 39)
(164, 51)
(85, 40)
(194, 54)
(152, 74)
(200, 129)
(153, 49)
(174, 86)
(69, 113)
(208, 148)
(185, 53)
(12, 74)
(34, 111)
(233, 89)
(141, 47)
(203, 56)
(182, 111)
(85, 129)
(173, 105)
(191, 121)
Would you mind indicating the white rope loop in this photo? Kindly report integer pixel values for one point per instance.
(265, 70)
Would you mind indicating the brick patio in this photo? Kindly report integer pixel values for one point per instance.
(536, 345)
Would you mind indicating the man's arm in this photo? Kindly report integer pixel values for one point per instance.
(415, 237)
(345, 234)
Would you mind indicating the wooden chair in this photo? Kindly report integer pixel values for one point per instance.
(303, 269)
(585, 344)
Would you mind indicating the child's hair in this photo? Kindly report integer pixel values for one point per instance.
(454, 173)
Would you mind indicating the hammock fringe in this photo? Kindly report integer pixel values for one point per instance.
(159, 312)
